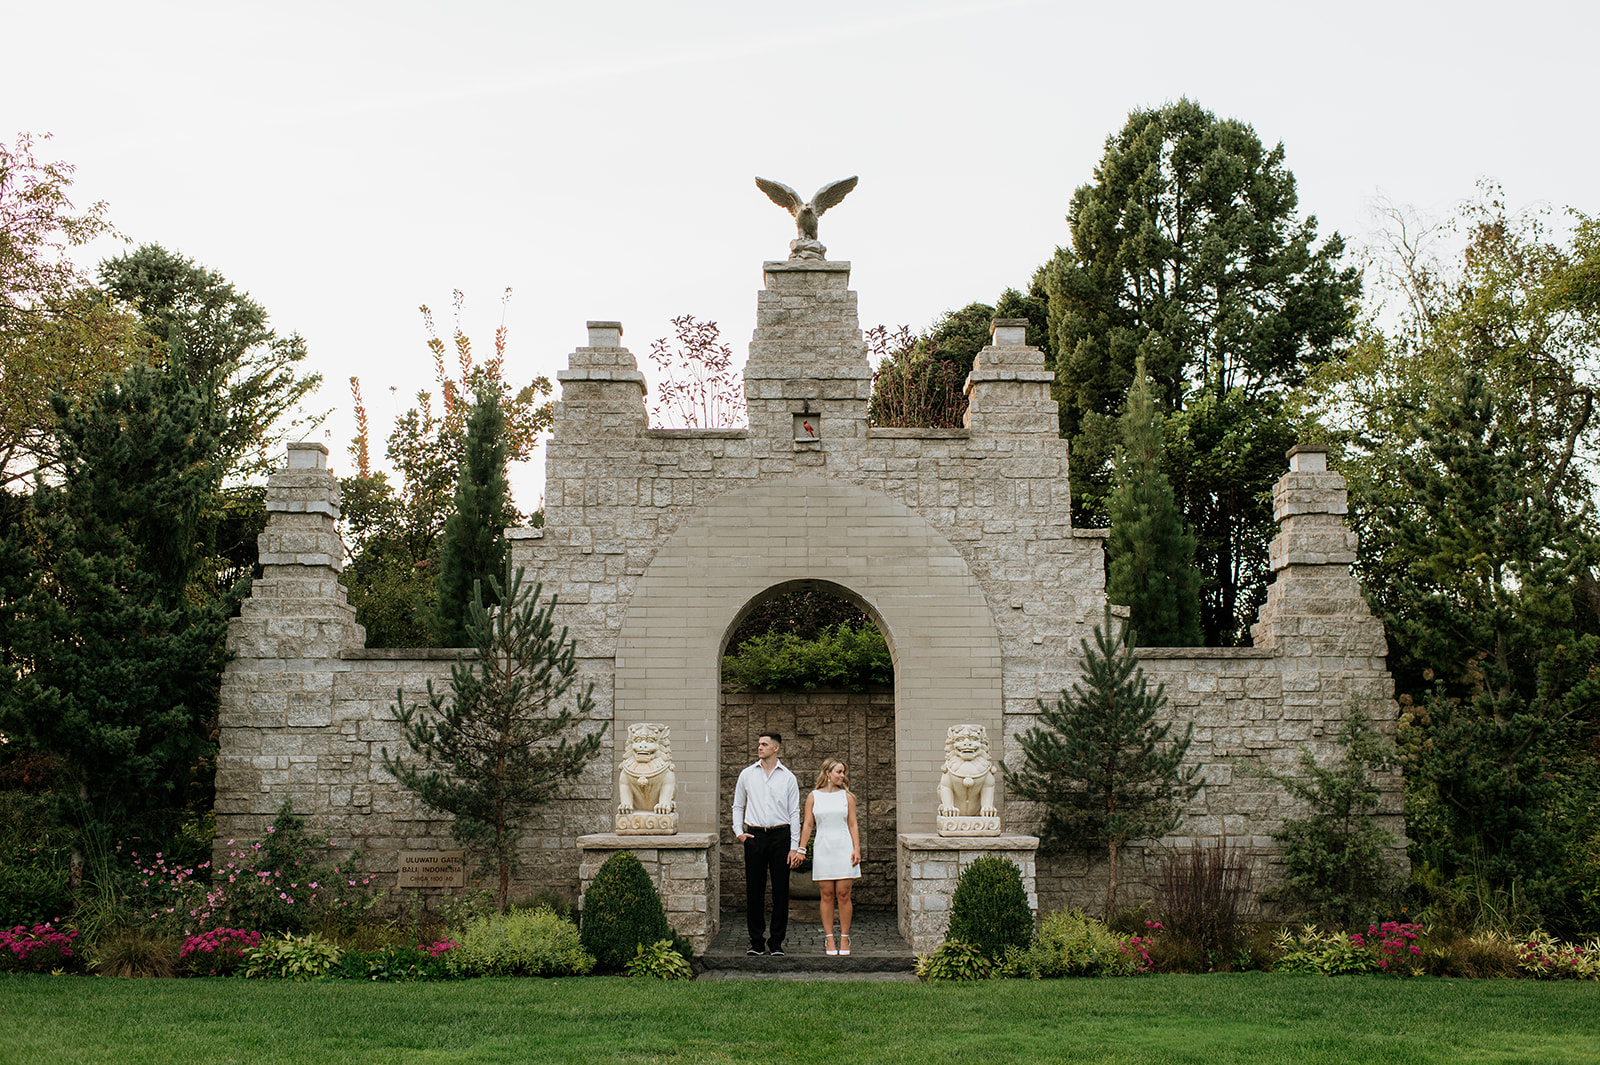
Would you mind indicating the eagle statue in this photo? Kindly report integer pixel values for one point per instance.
(805, 214)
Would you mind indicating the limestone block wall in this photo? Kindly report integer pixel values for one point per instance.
(958, 542)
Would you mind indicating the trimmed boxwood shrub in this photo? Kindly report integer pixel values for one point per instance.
(990, 908)
(621, 911)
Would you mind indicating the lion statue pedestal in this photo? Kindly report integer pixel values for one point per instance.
(967, 786)
(647, 785)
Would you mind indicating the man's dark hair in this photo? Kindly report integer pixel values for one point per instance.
(773, 736)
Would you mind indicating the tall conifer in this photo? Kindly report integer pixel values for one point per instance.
(115, 660)
(474, 547)
(1150, 549)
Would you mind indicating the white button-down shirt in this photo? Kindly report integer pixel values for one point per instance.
(767, 800)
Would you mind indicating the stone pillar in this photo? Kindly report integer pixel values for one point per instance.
(929, 867)
(807, 382)
(1008, 391)
(1314, 606)
(277, 692)
(682, 867)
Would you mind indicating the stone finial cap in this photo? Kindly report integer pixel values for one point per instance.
(306, 455)
(1308, 458)
(1008, 332)
(605, 334)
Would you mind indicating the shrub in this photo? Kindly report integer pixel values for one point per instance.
(1072, 944)
(292, 957)
(842, 657)
(1547, 958)
(33, 862)
(1390, 948)
(396, 963)
(219, 952)
(1335, 864)
(280, 883)
(661, 960)
(990, 909)
(955, 960)
(40, 949)
(621, 912)
(1202, 891)
(519, 943)
(135, 952)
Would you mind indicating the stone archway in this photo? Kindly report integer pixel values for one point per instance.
(904, 571)
(854, 726)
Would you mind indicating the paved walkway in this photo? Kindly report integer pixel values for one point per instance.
(877, 951)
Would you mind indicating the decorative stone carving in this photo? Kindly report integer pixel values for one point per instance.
(646, 784)
(806, 245)
(966, 790)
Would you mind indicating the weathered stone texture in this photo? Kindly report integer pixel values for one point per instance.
(959, 543)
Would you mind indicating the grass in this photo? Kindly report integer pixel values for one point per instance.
(1250, 1017)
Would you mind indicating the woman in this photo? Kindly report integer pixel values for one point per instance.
(836, 860)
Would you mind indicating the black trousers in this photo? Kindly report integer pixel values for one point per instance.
(766, 854)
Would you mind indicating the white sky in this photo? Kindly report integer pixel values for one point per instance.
(346, 162)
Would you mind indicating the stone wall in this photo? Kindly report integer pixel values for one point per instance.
(856, 727)
(958, 543)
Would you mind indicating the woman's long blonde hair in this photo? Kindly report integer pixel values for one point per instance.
(827, 767)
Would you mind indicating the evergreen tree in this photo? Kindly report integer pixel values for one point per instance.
(1481, 606)
(1187, 251)
(1099, 764)
(495, 748)
(1150, 551)
(474, 545)
(115, 656)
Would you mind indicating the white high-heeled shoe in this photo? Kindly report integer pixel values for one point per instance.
(827, 945)
(844, 944)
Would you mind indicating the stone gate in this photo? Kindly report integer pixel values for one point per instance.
(958, 543)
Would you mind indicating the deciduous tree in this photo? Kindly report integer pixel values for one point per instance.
(1188, 250)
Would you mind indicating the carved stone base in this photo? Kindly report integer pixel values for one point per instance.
(929, 869)
(645, 823)
(969, 826)
(803, 248)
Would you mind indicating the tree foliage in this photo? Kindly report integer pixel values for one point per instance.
(56, 332)
(1335, 860)
(1187, 250)
(1466, 431)
(496, 747)
(474, 546)
(1482, 612)
(1100, 766)
(225, 344)
(853, 658)
(114, 660)
(392, 526)
(1150, 552)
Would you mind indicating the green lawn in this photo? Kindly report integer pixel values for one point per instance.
(1250, 1017)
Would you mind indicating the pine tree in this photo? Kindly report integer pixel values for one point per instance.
(474, 545)
(1100, 765)
(116, 652)
(494, 749)
(1150, 550)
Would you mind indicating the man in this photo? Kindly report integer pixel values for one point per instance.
(766, 819)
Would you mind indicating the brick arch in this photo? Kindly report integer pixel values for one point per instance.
(926, 599)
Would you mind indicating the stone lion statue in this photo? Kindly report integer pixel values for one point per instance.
(646, 780)
(967, 787)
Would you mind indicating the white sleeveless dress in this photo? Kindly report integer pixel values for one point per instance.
(830, 850)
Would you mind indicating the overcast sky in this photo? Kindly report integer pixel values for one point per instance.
(346, 162)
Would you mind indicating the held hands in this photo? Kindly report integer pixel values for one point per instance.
(795, 858)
